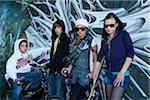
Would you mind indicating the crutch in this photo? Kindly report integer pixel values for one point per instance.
(94, 81)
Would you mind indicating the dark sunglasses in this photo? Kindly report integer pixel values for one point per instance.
(82, 29)
(110, 25)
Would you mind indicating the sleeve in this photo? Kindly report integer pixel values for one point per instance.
(37, 52)
(128, 45)
(11, 70)
(67, 42)
(93, 43)
(102, 51)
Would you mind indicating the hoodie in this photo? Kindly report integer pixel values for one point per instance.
(117, 50)
(19, 62)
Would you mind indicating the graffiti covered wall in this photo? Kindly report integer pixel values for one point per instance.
(34, 19)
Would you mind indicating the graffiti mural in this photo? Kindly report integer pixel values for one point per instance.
(36, 17)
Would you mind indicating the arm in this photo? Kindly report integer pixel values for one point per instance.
(11, 70)
(129, 53)
(97, 69)
(120, 77)
(68, 69)
(99, 58)
(93, 60)
(126, 65)
(103, 50)
(37, 52)
(67, 42)
(129, 56)
(94, 52)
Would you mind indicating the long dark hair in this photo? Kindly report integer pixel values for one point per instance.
(112, 15)
(60, 23)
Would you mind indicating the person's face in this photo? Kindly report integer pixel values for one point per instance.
(58, 30)
(110, 26)
(81, 31)
(23, 47)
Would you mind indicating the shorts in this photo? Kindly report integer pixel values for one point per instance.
(109, 79)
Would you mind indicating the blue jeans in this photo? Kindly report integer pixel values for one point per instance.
(33, 79)
(56, 85)
(109, 79)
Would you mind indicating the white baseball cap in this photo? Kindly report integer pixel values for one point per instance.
(82, 22)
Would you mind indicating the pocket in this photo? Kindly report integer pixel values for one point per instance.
(85, 81)
(89, 79)
(108, 74)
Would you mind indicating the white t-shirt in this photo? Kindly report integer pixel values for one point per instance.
(95, 41)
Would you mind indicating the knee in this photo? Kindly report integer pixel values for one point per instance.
(38, 75)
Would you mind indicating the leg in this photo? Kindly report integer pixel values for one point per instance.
(108, 85)
(16, 91)
(117, 93)
(33, 79)
(108, 91)
(77, 92)
(51, 84)
(60, 86)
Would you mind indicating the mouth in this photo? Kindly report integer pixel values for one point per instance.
(107, 31)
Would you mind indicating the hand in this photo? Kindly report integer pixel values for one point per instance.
(43, 65)
(30, 57)
(19, 81)
(94, 75)
(90, 75)
(119, 80)
(68, 71)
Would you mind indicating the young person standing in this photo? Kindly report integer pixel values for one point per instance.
(117, 48)
(79, 60)
(59, 49)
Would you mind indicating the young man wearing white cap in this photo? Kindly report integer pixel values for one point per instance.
(81, 49)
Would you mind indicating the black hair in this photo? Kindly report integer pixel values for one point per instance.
(112, 15)
(22, 42)
(60, 23)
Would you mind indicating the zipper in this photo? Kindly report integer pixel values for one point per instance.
(109, 47)
(109, 62)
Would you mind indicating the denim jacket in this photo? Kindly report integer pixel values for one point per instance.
(81, 67)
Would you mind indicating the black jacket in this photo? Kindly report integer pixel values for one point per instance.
(56, 63)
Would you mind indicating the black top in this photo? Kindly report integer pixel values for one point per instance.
(56, 63)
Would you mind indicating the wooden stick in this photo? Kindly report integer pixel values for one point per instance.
(94, 81)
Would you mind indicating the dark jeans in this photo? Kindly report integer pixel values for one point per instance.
(56, 85)
(77, 92)
(33, 79)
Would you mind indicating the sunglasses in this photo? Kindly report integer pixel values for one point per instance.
(110, 25)
(82, 29)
